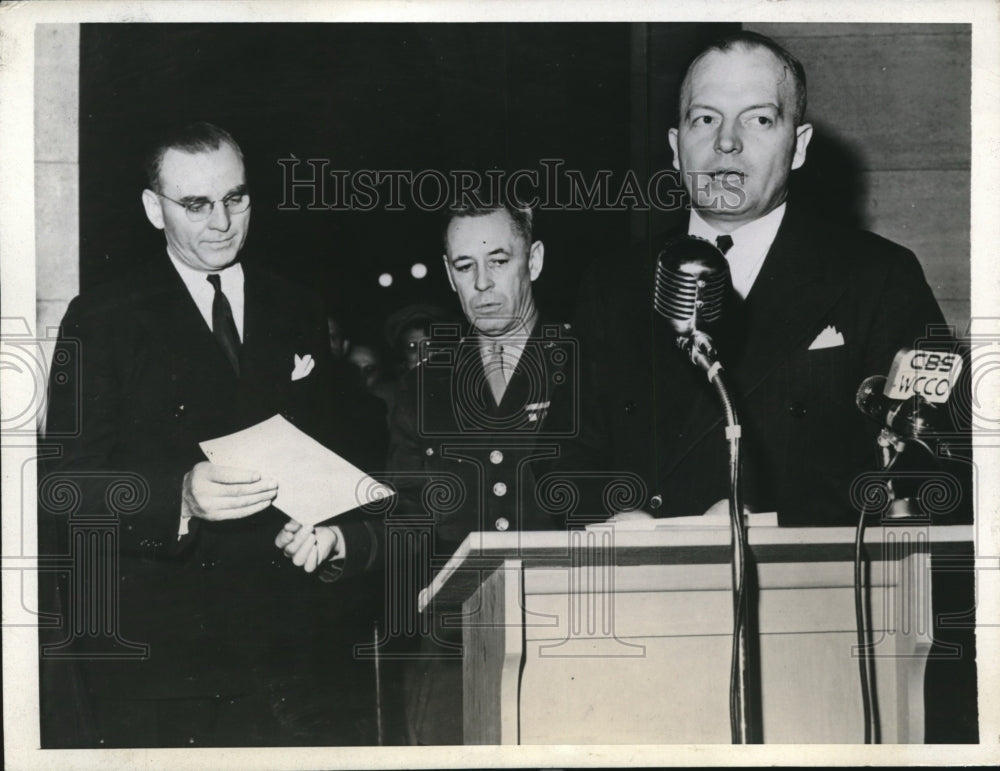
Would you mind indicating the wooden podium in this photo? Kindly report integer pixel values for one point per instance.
(623, 635)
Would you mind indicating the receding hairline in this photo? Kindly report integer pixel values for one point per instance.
(162, 183)
(726, 47)
(193, 139)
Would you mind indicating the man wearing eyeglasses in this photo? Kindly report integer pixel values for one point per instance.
(194, 346)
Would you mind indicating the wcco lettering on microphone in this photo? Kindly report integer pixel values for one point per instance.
(930, 374)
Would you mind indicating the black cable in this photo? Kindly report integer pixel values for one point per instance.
(866, 666)
(860, 622)
(738, 708)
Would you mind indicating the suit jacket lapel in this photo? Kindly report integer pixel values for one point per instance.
(793, 291)
(172, 311)
(258, 351)
(527, 384)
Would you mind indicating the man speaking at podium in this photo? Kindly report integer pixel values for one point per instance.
(817, 309)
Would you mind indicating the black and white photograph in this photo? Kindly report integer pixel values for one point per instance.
(450, 384)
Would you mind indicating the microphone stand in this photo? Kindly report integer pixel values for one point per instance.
(699, 347)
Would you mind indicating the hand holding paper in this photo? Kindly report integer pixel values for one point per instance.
(215, 492)
(313, 483)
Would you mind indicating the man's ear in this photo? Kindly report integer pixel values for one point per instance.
(672, 141)
(802, 136)
(447, 272)
(536, 257)
(154, 209)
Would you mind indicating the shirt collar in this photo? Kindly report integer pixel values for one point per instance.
(231, 279)
(513, 344)
(756, 236)
(751, 243)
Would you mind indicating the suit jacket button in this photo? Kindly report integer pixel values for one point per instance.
(496, 457)
(797, 409)
(502, 524)
(656, 501)
(629, 407)
(499, 490)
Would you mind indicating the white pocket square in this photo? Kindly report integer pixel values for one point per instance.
(303, 366)
(828, 338)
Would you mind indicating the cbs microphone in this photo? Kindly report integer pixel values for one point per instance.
(902, 421)
(692, 281)
(907, 402)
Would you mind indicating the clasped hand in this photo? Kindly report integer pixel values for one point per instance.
(307, 547)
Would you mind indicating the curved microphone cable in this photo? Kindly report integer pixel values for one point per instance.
(692, 282)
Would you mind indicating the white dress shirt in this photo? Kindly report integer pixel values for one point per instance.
(203, 293)
(751, 243)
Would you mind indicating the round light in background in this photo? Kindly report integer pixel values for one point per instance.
(385, 280)
(418, 270)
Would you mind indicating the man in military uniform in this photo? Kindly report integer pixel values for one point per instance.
(474, 417)
(469, 426)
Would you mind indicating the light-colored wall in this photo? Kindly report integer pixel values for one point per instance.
(57, 171)
(898, 95)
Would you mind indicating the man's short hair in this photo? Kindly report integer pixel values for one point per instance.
(480, 203)
(197, 137)
(747, 39)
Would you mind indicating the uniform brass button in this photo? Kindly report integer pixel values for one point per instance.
(496, 457)
(656, 501)
(797, 409)
(499, 489)
(429, 451)
(502, 524)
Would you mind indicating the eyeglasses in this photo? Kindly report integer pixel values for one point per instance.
(200, 209)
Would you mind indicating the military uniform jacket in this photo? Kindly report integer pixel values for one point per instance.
(460, 461)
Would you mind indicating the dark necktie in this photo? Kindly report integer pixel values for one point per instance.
(725, 243)
(223, 326)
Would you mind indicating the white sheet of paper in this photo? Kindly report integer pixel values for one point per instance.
(314, 483)
(718, 519)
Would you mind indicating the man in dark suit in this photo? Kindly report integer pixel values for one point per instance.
(470, 423)
(193, 346)
(817, 309)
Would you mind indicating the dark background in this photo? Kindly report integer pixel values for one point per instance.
(890, 104)
(375, 96)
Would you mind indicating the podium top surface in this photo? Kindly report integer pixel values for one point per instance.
(678, 544)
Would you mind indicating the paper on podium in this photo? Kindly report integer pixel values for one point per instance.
(716, 519)
(314, 484)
